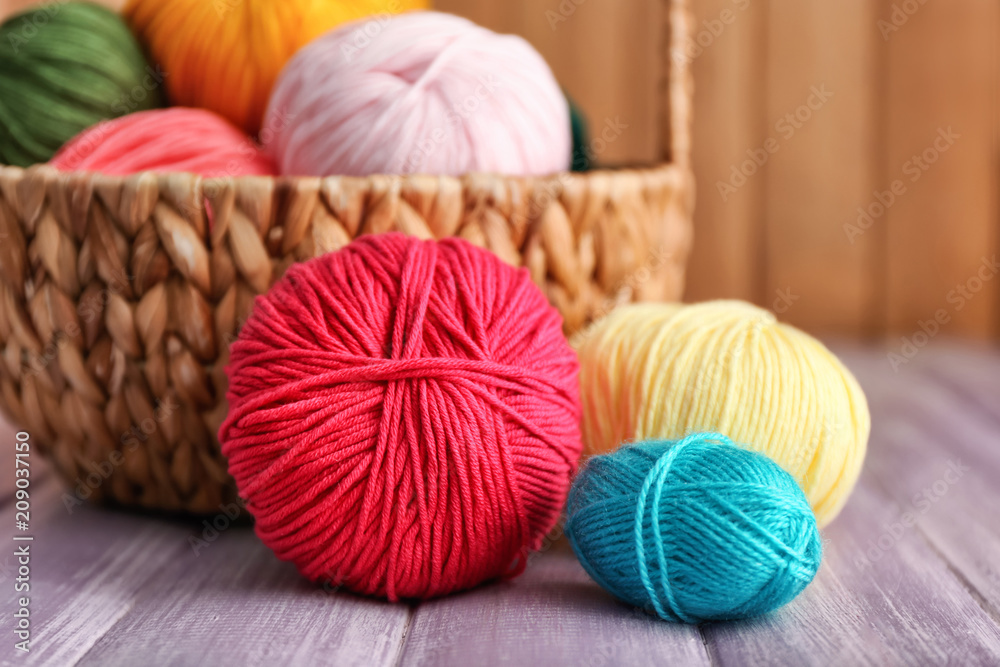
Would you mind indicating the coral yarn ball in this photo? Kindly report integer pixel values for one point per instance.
(403, 417)
(225, 55)
(165, 140)
(426, 93)
(655, 371)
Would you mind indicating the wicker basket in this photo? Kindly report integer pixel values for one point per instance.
(119, 299)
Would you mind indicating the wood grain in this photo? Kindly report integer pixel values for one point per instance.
(234, 603)
(822, 69)
(783, 232)
(941, 63)
(552, 615)
(970, 372)
(932, 424)
(729, 117)
(85, 569)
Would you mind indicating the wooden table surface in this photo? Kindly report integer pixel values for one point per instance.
(117, 588)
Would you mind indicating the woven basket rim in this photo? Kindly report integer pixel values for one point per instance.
(600, 172)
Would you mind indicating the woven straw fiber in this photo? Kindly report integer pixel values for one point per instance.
(119, 297)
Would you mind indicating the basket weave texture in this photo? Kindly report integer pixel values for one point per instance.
(119, 297)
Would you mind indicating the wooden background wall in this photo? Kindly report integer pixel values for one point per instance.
(898, 73)
(788, 237)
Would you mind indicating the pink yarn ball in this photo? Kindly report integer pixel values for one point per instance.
(165, 140)
(422, 92)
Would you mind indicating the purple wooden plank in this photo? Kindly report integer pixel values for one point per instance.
(234, 603)
(552, 615)
(972, 372)
(939, 456)
(85, 570)
(916, 397)
(117, 588)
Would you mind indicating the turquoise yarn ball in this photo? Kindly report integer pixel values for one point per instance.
(693, 530)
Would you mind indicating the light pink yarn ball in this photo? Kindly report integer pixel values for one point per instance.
(422, 92)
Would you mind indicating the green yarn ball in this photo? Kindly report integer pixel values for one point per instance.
(63, 68)
(581, 136)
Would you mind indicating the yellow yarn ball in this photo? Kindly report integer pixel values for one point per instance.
(225, 55)
(657, 371)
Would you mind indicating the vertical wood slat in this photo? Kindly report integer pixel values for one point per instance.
(941, 61)
(900, 270)
(821, 81)
(607, 55)
(995, 151)
(726, 53)
(676, 91)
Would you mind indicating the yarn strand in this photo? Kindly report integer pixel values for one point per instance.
(403, 417)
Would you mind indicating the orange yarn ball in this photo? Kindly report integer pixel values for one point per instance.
(225, 55)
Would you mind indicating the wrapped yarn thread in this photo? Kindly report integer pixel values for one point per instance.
(403, 417)
(63, 68)
(165, 140)
(224, 55)
(693, 530)
(431, 93)
(656, 371)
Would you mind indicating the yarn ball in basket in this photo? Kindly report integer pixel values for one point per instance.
(403, 417)
(165, 140)
(225, 55)
(63, 68)
(581, 136)
(655, 371)
(431, 93)
(693, 530)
